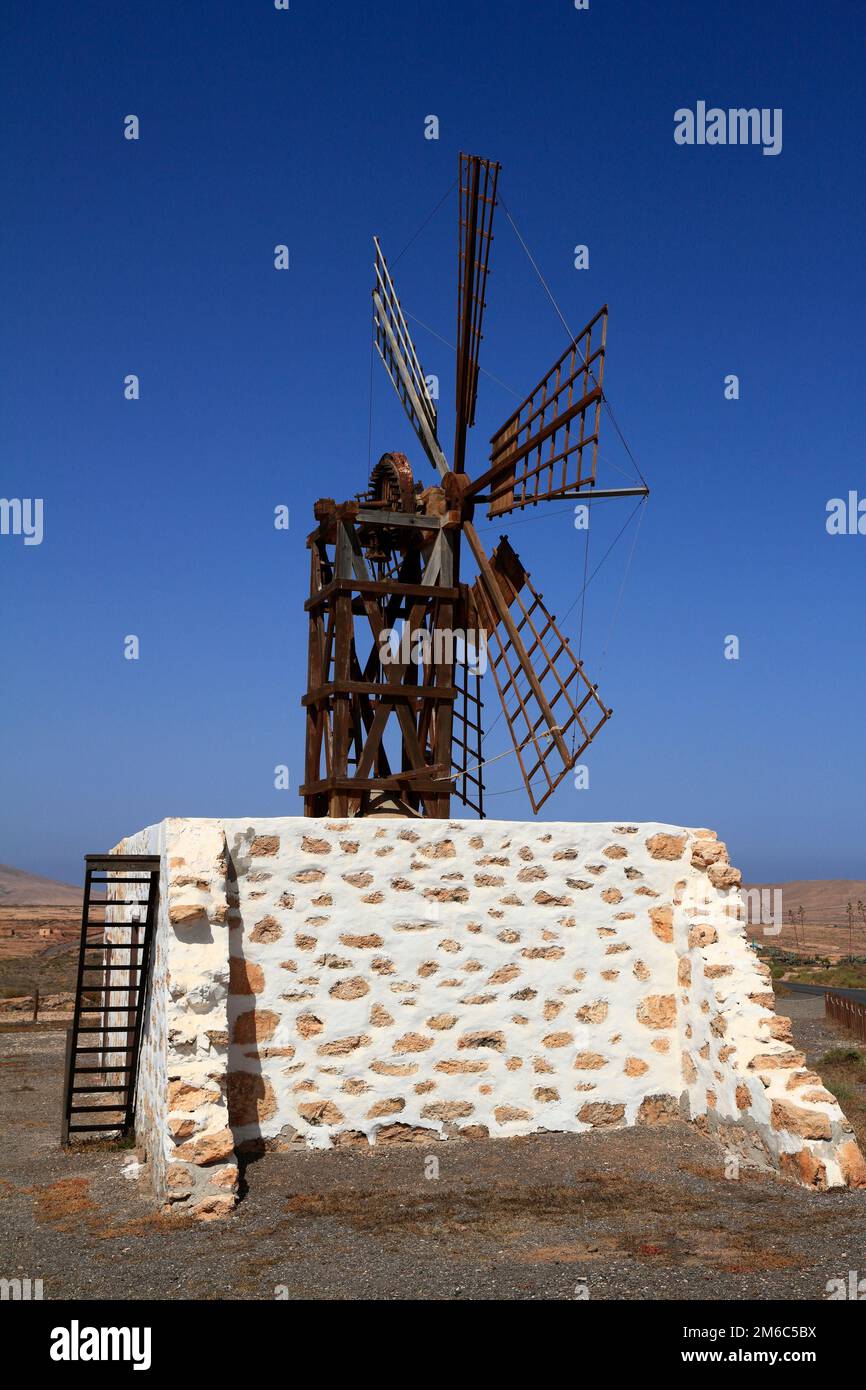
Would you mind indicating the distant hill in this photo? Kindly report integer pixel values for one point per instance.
(20, 889)
(824, 900)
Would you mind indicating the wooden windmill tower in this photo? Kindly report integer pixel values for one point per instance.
(393, 699)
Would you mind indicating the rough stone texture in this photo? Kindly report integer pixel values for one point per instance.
(182, 1113)
(467, 1001)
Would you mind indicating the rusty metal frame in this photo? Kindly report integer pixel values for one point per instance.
(394, 555)
(537, 455)
(528, 644)
(397, 351)
(478, 181)
(352, 698)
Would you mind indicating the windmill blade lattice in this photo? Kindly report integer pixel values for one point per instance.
(397, 351)
(552, 709)
(548, 447)
(397, 638)
(478, 180)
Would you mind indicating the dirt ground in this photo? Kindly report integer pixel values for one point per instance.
(642, 1213)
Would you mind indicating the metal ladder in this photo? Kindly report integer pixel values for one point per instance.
(113, 962)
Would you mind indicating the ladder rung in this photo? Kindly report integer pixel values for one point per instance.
(109, 1009)
(97, 1090)
(95, 1109)
(118, 902)
(98, 1071)
(86, 1129)
(114, 925)
(130, 965)
(113, 945)
(113, 989)
(100, 882)
(106, 1033)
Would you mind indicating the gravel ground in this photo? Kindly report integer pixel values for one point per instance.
(631, 1214)
(813, 1034)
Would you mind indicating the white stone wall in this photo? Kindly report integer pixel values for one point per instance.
(382, 981)
(152, 1083)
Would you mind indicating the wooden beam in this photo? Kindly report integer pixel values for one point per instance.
(376, 588)
(511, 627)
(383, 690)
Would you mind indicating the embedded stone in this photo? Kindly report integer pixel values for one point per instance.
(251, 1098)
(589, 1061)
(412, 1042)
(308, 1025)
(662, 919)
(724, 876)
(804, 1167)
(808, 1124)
(320, 1112)
(702, 936)
(657, 1110)
(592, 1013)
(265, 846)
(532, 874)
(551, 900)
(392, 1106)
(267, 930)
(182, 914)
(664, 846)
(852, 1163)
(447, 1110)
(214, 1147)
(245, 977)
(341, 1047)
(657, 1011)
(212, 1208)
(355, 988)
(311, 845)
(483, 1038)
(183, 1097)
(504, 974)
(601, 1115)
(358, 880)
(402, 1134)
(441, 849)
(255, 1025)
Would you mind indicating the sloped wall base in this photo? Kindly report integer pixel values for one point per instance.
(391, 981)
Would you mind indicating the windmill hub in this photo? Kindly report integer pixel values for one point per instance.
(406, 734)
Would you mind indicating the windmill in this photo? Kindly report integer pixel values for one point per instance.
(397, 639)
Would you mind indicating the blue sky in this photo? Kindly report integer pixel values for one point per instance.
(306, 127)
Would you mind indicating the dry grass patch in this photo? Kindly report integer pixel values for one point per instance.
(843, 1072)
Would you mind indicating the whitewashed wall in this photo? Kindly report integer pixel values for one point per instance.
(390, 981)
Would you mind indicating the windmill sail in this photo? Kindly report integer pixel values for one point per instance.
(397, 351)
(548, 448)
(466, 734)
(478, 180)
(552, 710)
